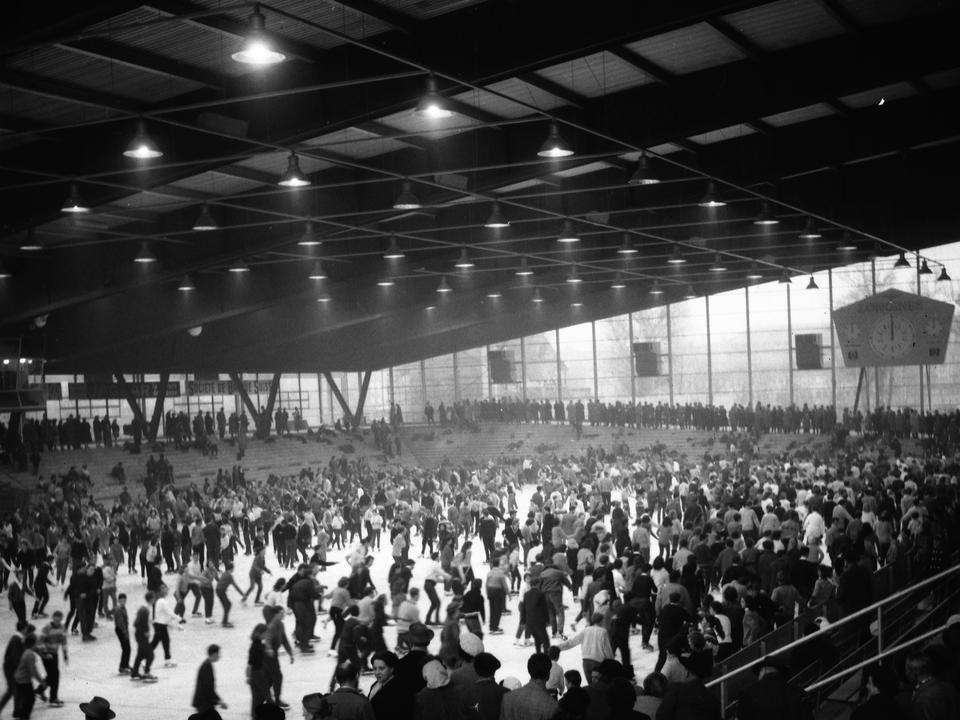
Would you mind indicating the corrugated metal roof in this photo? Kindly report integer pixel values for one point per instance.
(74, 68)
(216, 183)
(887, 93)
(664, 149)
(186, 42)
(493, 103)
(276, 162)
(596, 75)
(331, 15)
(874, 12)
(424, 9)
(583, 169)
(785, 24)
(46, 110)
(688, 49)
(804, 114)
(521, 91)
(356, 143)
(942, 80)
(406, 121)
(728, 133)
(522, 185)
(153, 200)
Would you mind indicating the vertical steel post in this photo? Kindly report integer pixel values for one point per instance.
(596, 386)
(706, 299)
(669, 353)
(556, 336)
(746, 297)
(833, 358)
(523, 367)
(790, 343)
(633, 368)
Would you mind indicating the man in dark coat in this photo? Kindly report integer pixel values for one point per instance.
(536, 616)
(205, 696)
(11, 658)
(482, 699)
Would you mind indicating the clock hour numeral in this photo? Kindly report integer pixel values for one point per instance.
(852, 354)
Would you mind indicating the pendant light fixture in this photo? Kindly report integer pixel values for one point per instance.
(627, 247)
(846, 244)
(710, 198)
(754, 272)
(655, 289)
(689, 294)
(73, 203)
(432, 106)
(406, 200)
(186, 284)
(317, 273)
(567, 235)
(324, 298)
(766, 216)
(718, 266)
(144, 256)
(494, 294)
(574, 277)
(924, 269)
(785, 278)
(205, 221)
(676, 257)
(385, 282)
(644, 174)
(309, 238)
(256, 48)
(524, 269)
(293, 177)
(239, 266)
(901, 263)
(142, 146)
(497, 218)
(537, 297)
(30, 242)
(943, 277)
(393, 252)
(463, 262)
(444, 286)
(555, 146)
(810, 231)
(618, 283)
(812, 285)
(4, 273)
(576, 303)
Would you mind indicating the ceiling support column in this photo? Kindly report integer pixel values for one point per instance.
(158, 406)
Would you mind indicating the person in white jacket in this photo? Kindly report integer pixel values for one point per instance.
(594, 644)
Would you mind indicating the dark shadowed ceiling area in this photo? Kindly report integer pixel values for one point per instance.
(838, 117)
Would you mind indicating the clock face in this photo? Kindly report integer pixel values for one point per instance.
(932, 327)
(892, 336)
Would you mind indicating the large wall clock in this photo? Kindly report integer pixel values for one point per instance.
(894, 328)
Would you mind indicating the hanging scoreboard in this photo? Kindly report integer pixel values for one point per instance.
(894, 328)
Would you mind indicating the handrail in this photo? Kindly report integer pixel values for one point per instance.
(875, 658)
(830, 628)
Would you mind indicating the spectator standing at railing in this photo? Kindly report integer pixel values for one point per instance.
(773, 695)
(931, 698)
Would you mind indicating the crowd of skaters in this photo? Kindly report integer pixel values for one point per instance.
(707, 554)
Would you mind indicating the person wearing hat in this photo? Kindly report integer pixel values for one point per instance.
(97, 709)
(773, 694)
(482, 700)
(465, 674)
(438, 699)
(410, 666)
(390, 701)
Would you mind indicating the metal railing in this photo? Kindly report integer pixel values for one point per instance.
(882, 610)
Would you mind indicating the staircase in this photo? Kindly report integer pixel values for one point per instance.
(433, 446)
